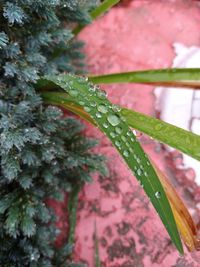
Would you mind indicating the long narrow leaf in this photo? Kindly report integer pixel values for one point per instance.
(98, 11)
(180, 139)
(183, 140)
(65, 101)
(183, 219)
(110, 122)
(166, 77)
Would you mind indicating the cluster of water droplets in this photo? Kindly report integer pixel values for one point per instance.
(94, 101)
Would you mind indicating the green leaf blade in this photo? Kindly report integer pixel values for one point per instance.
(98, 11)
(116, 129)
(180, 139)
(166, 77)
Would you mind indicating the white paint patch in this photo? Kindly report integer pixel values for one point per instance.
(181, 107)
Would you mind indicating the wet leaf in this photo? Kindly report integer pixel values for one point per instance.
(183, 219)
(180, 139)
(110, 121)
(185, 141)
(189, 78)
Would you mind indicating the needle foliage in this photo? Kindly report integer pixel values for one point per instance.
(43, 154)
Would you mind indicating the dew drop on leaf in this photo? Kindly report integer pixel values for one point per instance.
(92, 89)
(117, 143)
(113, 119)
(116, 108)
(105, 125)
(118, 130)
(93, 104)
(101, 94)
(157, 194)
(73, 92)
(98, 115)
(71, 83)
(138, 160)
(123, 138)
(128, 133)
(112, 134)
(87, 109)
(134, 132)
(126, 153)
(102, 108)
(139, 172)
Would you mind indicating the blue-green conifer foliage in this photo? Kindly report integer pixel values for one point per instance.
(43, 153)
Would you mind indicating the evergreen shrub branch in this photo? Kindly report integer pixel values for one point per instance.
(43, 153)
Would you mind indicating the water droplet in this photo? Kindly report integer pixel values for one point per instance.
(105, 125)
(145, 174)
(157, 194)
(81, 80)
(138, 160)
(71, 83)
(73, 92)
(141, 184)
(102, 108)
(132, 139)
(126, 153)
(139, 172)
(98, 115)
(123, 138)
(92, 89)
(128, 133)
(116, 108)
(81, 103)
(32, 257)
(130, 149)
(26, 130)
(112, 134)
(123, 118)
(93, 104)
(87, 109)
(134, 132)
(101, 94)
(117, 143)
(118, 130)
(113, 119)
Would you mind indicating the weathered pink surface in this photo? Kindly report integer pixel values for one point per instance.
(138, 36)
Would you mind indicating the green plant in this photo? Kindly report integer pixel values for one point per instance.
(84, 97)
(43, 153)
